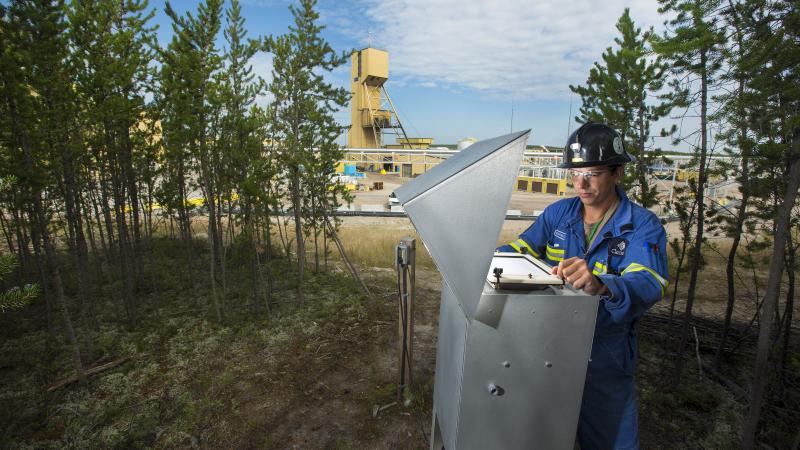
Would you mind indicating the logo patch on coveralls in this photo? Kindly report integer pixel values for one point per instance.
(617, 247)
(560, 234)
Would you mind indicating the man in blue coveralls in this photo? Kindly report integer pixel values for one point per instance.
(606, 245)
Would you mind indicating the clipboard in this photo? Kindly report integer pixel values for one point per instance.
(519, 271)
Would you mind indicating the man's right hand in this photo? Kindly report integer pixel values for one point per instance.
(576, 272)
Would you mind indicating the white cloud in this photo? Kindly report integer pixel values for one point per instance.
(262, 68)
(531, 49)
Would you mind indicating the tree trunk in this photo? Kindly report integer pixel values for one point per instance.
(741, 216)
(126, 259)
(106, 247)
(212, 246)
(79, 249)
(681, 258)
(55, 277)
(129, 175)
(791, 267)
(641, 167)
(700, 197)
(298, 229)
(50, 257)
(268, 255)
(221, 245)
(184, 222)
(782, 228)
(86, 212)
(22, 237)
(41, 267)
(127, 270)
(7, 233)
(316, 233)
(106, 209)
(213, 241)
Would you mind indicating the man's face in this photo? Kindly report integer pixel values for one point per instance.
(595, 185)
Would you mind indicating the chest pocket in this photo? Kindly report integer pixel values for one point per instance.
(556, 245)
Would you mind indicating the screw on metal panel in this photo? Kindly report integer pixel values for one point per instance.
(533, 311)
(506, 364)
(575, 312)
(548, 364)
(495, 390)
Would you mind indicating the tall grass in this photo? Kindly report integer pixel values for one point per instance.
(372, 243)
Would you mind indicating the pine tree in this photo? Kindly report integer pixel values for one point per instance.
(771, 59)
(240, 138)
(692, 47)
(622, 93)
(36, 102)
(740, 147)
(111, 57)
(191, 65)
(303, 107)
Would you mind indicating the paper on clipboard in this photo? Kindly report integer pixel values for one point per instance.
(521, 272)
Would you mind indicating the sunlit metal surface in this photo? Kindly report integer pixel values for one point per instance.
(532, 348)
(458, 207)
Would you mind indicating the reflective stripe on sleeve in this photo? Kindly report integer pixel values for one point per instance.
(521, 246)
(528, 247)
(634, 267)
(555, 254)
(599, 268)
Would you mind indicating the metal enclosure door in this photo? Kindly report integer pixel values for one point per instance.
(535, 357)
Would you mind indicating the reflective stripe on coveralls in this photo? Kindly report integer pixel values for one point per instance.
(555, 254)
(629, 257)
(519, 244)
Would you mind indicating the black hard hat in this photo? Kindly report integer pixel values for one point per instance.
(594, 144)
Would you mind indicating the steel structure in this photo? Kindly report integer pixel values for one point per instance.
(372, 111)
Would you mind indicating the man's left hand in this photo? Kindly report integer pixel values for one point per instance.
(575, 272)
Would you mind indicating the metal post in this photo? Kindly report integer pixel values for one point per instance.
(406, 257)
(672, 187)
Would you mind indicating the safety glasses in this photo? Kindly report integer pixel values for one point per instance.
(588, 175)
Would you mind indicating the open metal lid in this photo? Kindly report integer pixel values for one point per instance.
(458, 208)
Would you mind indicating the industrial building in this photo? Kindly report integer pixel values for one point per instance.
(374, 121)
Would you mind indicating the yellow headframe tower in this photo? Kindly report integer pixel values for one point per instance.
(372, 111)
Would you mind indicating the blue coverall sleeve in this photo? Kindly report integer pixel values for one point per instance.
(532, 240)
(643, 277)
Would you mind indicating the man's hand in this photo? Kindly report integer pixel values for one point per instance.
(575, 272)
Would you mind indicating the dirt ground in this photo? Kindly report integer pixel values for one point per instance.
(355, 405)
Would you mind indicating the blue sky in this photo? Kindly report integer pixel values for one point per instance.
(456, 67)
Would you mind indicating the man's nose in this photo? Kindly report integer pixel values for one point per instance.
(582, 181)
